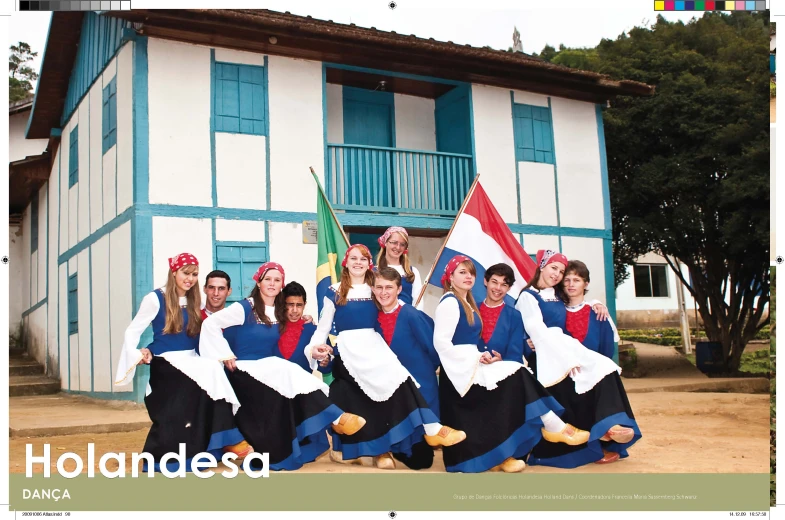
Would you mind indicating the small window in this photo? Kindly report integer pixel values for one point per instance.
(240, 262)
(34, 224)
(73, 305)
(533, 133)
(109, 115)
(651, 281)
(240, 99)
(73, 157)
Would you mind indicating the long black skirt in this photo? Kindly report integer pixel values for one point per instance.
(595, 411)
(292, 431)
(394, 425)
(182, 412)
(500, 423)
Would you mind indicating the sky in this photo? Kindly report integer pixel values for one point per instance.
(458, 21)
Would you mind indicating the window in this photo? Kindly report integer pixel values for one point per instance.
(533, 133)
(73, 305)
(34, 224)
(240, 99)
(73, 157)
(240, 261)
(651, 281)
(109, 115)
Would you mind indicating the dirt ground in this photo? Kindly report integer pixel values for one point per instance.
(682, 433)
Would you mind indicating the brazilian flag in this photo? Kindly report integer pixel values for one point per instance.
(332, 246)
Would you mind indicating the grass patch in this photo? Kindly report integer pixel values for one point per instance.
(756, 363)
(671, 336)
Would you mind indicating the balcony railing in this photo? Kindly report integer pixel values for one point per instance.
(379, 179)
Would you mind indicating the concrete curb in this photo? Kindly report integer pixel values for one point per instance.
(747, 385)
(78, 429)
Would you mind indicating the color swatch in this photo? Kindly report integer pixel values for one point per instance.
(707, 5)
(75, 5)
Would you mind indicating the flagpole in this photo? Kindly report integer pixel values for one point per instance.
(439, 254)
(330, 206)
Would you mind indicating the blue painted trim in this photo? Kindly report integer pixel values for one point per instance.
(269, 132)
(222, 243)
(141, 225)
(533, 229)
(46, 297)
(610, 286)
(34, 308)
(56, 132)
(555, 170)
(109, 310)
(59, 225)
(206, 212)
(394, 74)
(37, 91)
(90, 295)
(324, 120)
(408, 150)
(113, 224)
(606, 192)
(515, 158)
(471, 129)
(214, 177)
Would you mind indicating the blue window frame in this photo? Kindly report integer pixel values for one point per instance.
(240, 261)
(73, 305)
(73, 157)
(533, 132)
(109, 115)
(240, 99)
(34, 224)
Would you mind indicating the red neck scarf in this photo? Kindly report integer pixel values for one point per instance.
(290, 337)
(489, 315)
(388, 321)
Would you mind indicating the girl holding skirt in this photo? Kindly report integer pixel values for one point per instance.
(503, 409)
(188, 397)
(285, 410)
(585, 382)
(369, 378)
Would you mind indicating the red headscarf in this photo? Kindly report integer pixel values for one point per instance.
(390, 230)
(452, 265)
(269, 266)
(546, 256)
(178, 262)
(365, 252)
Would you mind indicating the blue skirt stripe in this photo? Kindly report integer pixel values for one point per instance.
(399, 439)
(318, 422)
(622, 419)
(219, 440)
(303, 454)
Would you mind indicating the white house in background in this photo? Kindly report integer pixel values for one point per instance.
(193, 130)
(28, 170)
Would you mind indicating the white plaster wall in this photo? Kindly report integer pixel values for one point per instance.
(110, 192)
(533, 243)
(179, 119)
(530, 98)
(17, 261)
(422, 251)
(53, 365)
(18, 146)
(120, 310)
(172, 236)
(64, 341)
(590, 252)
(39, 293)
(239, 231)
(335, 114)
(73, 214)
(62, 223)
(240, 170)
(83, 183)
(34, 278)
(26, 260)
(73, 362)
(296, 131)
(415, 123)
(299, 260)
(538, 193)
(627, 301)
(125, 135)
(243, 57)
(94, 136)
(100, 315)
(578, 163)
(36, 328)
(495, 147)
(85, 317)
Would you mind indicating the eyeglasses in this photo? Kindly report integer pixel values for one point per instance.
(396, 244)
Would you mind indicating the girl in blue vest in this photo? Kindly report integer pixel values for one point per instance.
(285, 410)
(585, 382)
(369, 378)
(394, 253)
(503, 409)
(188, 398)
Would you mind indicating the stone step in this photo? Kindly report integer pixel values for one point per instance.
(32, 385)
(24, 367)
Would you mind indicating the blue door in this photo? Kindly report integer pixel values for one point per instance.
(368, 120)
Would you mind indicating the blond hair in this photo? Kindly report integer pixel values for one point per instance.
(174, 318)
(469, 304)
(381, 260)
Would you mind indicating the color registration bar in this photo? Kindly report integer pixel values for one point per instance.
(706, 5)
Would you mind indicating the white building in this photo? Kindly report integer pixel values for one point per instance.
(193, 131)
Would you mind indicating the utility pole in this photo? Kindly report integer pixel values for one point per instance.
(683, 320)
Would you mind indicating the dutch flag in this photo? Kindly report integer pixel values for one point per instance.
(480, 233)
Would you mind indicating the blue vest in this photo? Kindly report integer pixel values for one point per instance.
(465, 333)
(169, 342)
(355, 314)
(252, 340)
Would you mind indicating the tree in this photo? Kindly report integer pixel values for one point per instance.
(689, 166)
(21, 75)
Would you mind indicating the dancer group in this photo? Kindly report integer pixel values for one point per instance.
(494, 386)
